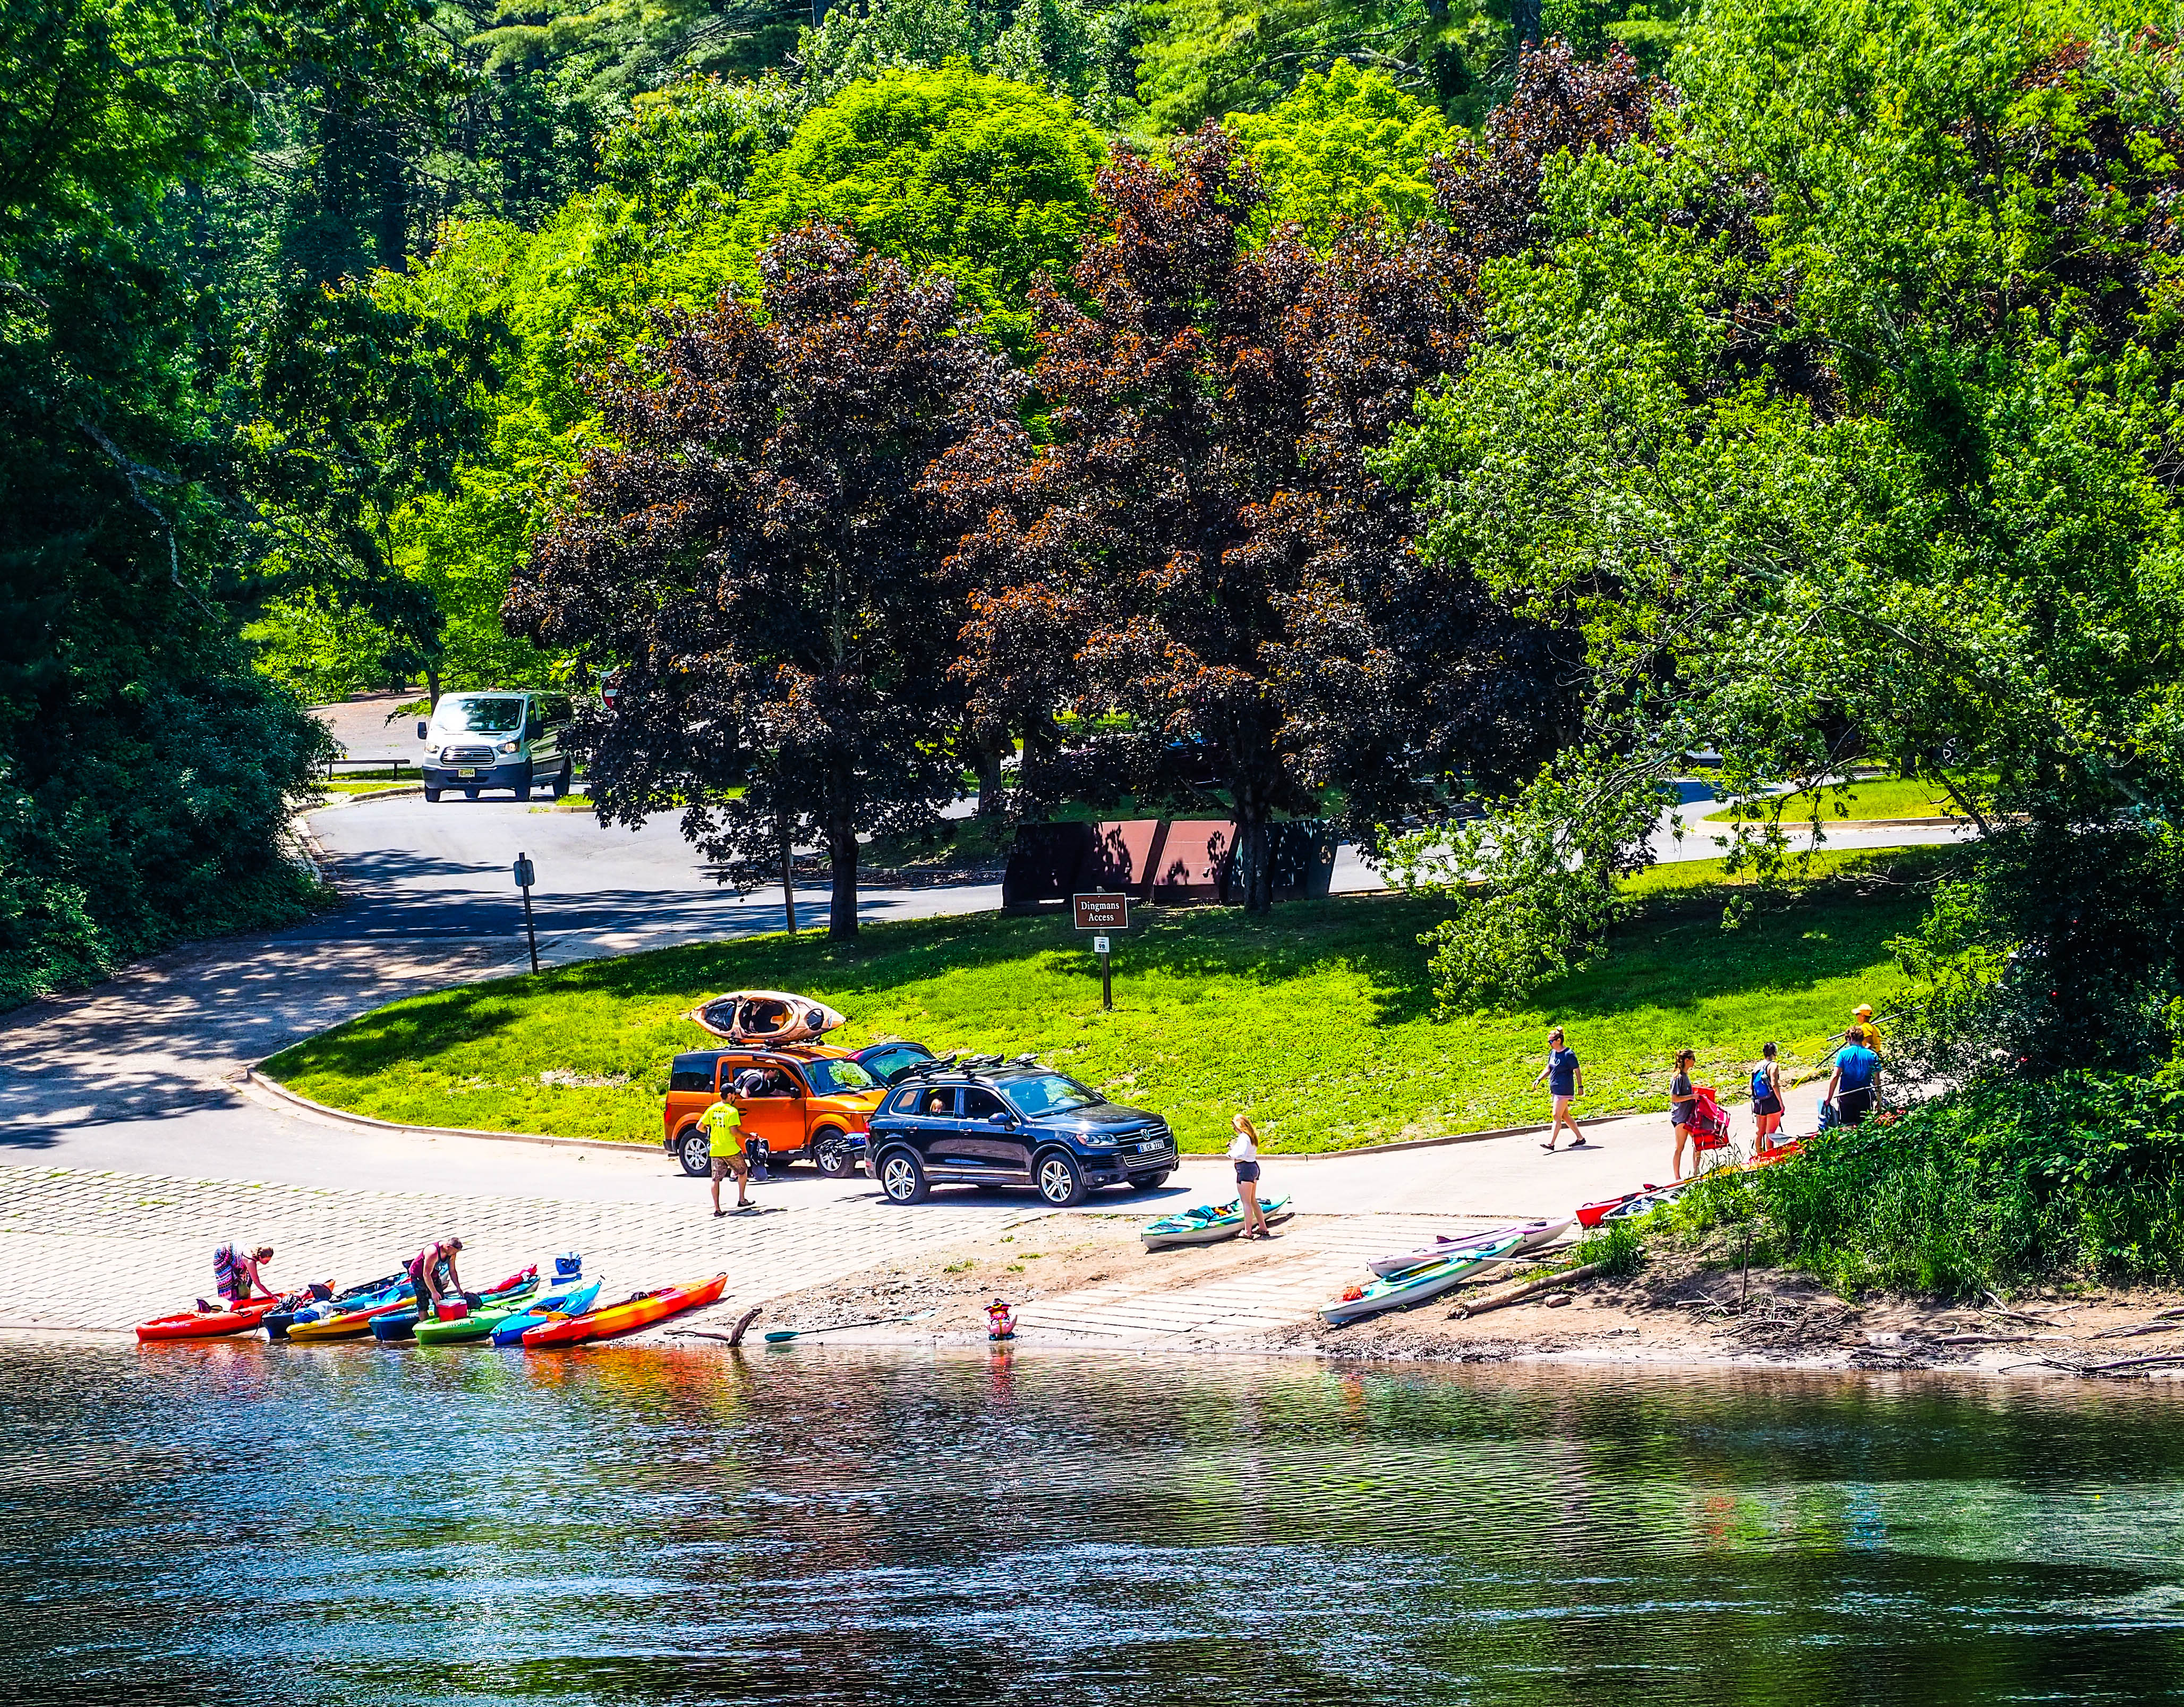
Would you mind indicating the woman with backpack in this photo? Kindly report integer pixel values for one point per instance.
(1767, 1094)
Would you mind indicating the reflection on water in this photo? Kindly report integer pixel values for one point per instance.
(350, 1525)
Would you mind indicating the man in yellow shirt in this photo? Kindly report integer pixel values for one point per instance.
(1862, 1017)
(724, 1133)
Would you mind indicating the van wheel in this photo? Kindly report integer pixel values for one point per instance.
(523, 791)
(830, 1155)
(1060, 1180)
(431, 796)
(561, 782)
(695, 1151)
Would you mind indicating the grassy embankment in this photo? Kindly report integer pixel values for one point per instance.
(1870, 797)
(1317, 1021)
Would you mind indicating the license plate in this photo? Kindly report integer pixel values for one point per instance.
(467, 770)
(1148, 1149)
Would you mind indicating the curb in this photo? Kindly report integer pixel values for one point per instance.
(274, 1090)
(271, 1090)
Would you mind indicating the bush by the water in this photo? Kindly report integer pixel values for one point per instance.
(2010, 1180)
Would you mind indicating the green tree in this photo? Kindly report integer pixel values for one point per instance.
(986, 180)
(1346, 147)
(1839, 420)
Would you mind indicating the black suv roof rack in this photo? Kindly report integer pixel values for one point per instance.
(939, 1063)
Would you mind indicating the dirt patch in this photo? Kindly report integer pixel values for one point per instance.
(1682, 1309)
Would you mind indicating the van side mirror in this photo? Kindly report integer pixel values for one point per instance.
(422, 727)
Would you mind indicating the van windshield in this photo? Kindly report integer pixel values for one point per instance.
(475, 714)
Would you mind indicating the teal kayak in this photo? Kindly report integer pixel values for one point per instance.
(1207, 1224)
(1415, 1284)
(510, 1329)
(480, 1323)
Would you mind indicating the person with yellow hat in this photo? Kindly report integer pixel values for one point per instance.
(1862, 1016)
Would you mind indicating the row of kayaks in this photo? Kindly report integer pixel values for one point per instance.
(518, 1312)
(1647, 1198)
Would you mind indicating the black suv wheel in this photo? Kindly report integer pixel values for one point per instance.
(1060, 1180)
(902, 1177)
(695, 1151)
(830, 1154)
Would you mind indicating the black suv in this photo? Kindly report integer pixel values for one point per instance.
(986, 1122)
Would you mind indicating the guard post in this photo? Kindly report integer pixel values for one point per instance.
(526, 875)
(1102, 912)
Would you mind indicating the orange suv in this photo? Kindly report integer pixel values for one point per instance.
(814, 1107)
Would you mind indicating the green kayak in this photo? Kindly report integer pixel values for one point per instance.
(479, 1324)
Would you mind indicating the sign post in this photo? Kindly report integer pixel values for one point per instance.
(527, 874)
(1102, 912)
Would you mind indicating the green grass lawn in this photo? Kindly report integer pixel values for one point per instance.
(1317, 1021)
(1873, 797)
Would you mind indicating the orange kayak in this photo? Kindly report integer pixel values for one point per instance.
(199, 1325)
(641, 1311)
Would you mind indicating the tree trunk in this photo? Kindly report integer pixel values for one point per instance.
(432, 683)
(842, 852)
(788, 876)
(1254, 863)
(991, 749)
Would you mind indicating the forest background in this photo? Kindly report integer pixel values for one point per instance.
(1386, 420)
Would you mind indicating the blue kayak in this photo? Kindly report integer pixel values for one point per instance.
(511, 1331)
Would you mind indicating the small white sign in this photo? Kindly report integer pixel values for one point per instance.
(1098, 945)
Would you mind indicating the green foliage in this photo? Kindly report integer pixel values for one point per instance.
(698, 137)
(1617, 1246)
(985, 180)
(1346, 147)
(2076, 1177)
(1201, 58)
(1204, 1021)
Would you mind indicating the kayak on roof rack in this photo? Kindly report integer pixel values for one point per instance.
(765, 1016)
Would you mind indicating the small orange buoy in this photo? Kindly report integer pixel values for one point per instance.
(1000, 1321)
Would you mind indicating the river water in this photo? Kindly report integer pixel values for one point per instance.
(354, 1524)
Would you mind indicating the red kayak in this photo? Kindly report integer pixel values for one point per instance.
(641, 1311)
(1592, 1214)
(203, 1325)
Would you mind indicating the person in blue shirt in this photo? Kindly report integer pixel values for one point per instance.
(1565, 1080)
(1854, 1083)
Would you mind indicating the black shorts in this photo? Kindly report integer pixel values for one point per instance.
(1247, 1172)
(1767, 1105)
(1852, 1106)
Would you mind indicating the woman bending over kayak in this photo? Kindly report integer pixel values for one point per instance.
(235, 1267)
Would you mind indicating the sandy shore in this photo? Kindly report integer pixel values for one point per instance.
(1686, 1310)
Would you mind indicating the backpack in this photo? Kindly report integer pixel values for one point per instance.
(1760, 1087)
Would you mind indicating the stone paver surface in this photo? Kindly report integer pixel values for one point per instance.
(103, 1251)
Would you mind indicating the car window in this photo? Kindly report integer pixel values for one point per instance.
(885, 1063)
(936, 1102)
(978, 1104)
(832, 1078)
(557, 709)
(478, 714)
(692, 1078)
(1050, 1093)
(905, 1100)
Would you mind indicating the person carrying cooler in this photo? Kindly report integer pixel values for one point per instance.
(433, 1275)
(235, 1267)
(1243, 1151)
(724, 1132)
(1767, 1094)
(1852, 1086)
(1683, 1103)
(1565, 1080)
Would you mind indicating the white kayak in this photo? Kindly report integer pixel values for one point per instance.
(1208, 1224)
(1407, 1286)
(1532, 1236)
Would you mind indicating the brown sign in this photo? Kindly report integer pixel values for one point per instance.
(1101, 911)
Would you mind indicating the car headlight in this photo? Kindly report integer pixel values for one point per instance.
(1099, 1140)
(507, 746)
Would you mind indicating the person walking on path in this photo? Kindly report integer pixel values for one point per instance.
(235, 1267)
(1767, 1094)
(1243, 1151)
(724, 1132)
(1683, 1103)
(433, 1275)
(1850, 1087)
(1862, 1017)
(1565, 1080)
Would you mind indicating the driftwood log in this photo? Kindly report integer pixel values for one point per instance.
(1517, 1295)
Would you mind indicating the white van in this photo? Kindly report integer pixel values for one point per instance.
(499, 738)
